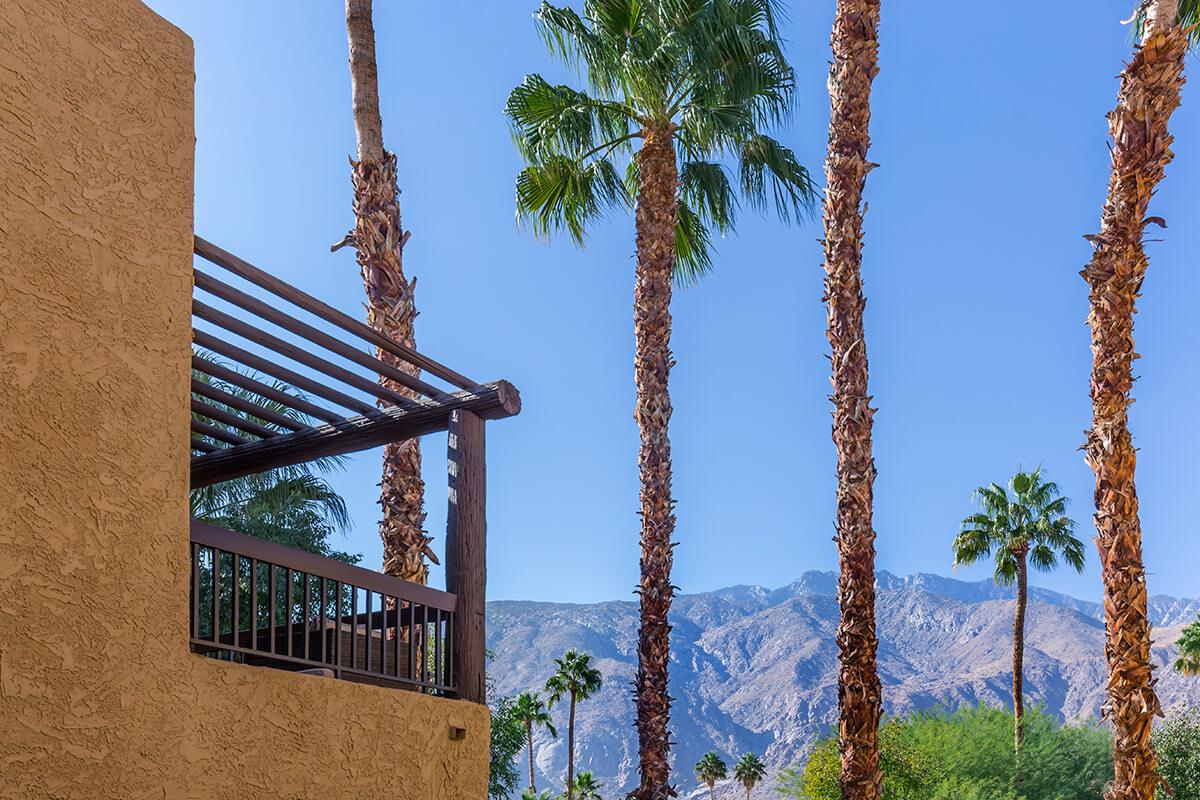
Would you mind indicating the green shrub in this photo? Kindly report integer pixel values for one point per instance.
(968, 755)
(1178, 745)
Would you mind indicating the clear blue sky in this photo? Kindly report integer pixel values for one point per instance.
(989, 125)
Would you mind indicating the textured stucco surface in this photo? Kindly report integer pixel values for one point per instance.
(99, 697)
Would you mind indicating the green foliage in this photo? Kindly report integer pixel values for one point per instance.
(710, 769)
(712, 72)
(1188, 17)
(587, 787)
(1178, 745)
(967, 755)
(574, 677)
(748, 771)
(1031, 514)
(289, 505)
(1189, 649)
(507, 740)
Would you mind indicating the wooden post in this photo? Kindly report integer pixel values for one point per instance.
(466, 551)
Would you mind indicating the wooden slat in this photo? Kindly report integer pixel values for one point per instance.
(207, 390)
(201, 364)
(318, 337)
(241, 423)
(203, 446)
(220, 434)
(389, 425)
(265, 280)
(245, 357)
(298, 354)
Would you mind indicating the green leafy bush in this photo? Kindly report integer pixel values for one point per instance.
(1178, 745)
(968, 755)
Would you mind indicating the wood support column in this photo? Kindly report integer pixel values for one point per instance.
(466, 550)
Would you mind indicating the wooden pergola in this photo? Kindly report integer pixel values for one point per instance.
(320, 403)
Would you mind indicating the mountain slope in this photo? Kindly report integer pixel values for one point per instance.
(755, 669)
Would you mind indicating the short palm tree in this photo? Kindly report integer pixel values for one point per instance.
(587, 787)
(1024, 524)
(576, 679)
(676, 90)
(1149, 93)
(532, 712)
(1189, 649)
(749, 770)
(710, 769)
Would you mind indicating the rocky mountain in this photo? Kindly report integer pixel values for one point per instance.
(754, 669)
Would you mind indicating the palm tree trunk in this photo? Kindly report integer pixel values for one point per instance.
(379, 239)
(1141, 149)
(1019, 648)
(855, 54)
(656, 215)
(529, 738)
(571, 751)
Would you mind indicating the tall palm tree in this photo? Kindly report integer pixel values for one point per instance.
(676, 88)
(749, 770)
(576, 679)
(587, 787)
(531, 711)
(855, 43)
(1030, 525)
(378, 239)
(710, 769)
(1149, 93)
(1189, 649)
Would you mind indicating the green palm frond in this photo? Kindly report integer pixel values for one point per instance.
(712, 71)
(1189, 649)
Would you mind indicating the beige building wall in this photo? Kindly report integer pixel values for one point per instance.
(99, 696)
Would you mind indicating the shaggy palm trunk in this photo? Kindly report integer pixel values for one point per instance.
(379, 238)
(529, 738)
(1018, 685)
(1141, 149)
(855, 54)
(656, 215)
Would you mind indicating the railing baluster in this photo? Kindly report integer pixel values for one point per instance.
(253, 604)
(439, 670)
(424, 641)
(271, 573)
(399, 637)
(337, 628)
(412, 642)
(195, 604)
(369, 634)
(216, 596)
(307, 613)
(288, 618)
(353, 627)
(383, 631)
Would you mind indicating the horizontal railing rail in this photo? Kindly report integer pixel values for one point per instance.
(262, 603)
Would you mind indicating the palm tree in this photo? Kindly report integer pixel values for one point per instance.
(1189, 649)
(710, 769)
(576, 679)
(530, 711)
(749, 770)
(855, 44)
(587, 787)
(691, 84)
(1149, 93)
(1029, 525)
(378, 239)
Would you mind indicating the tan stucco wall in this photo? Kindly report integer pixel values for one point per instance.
(99, 697)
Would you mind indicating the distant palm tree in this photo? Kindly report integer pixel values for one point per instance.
(587, 787)
(1149, 93)
(1189, 649)
(545, 794)
(710, 769)
(531, 711)
(1029, 525)
(576, 679)
(749, 770)
(694, 83)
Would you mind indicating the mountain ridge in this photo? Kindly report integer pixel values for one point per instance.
(755, 669)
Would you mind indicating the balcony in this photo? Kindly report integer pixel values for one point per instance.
(262, 604)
